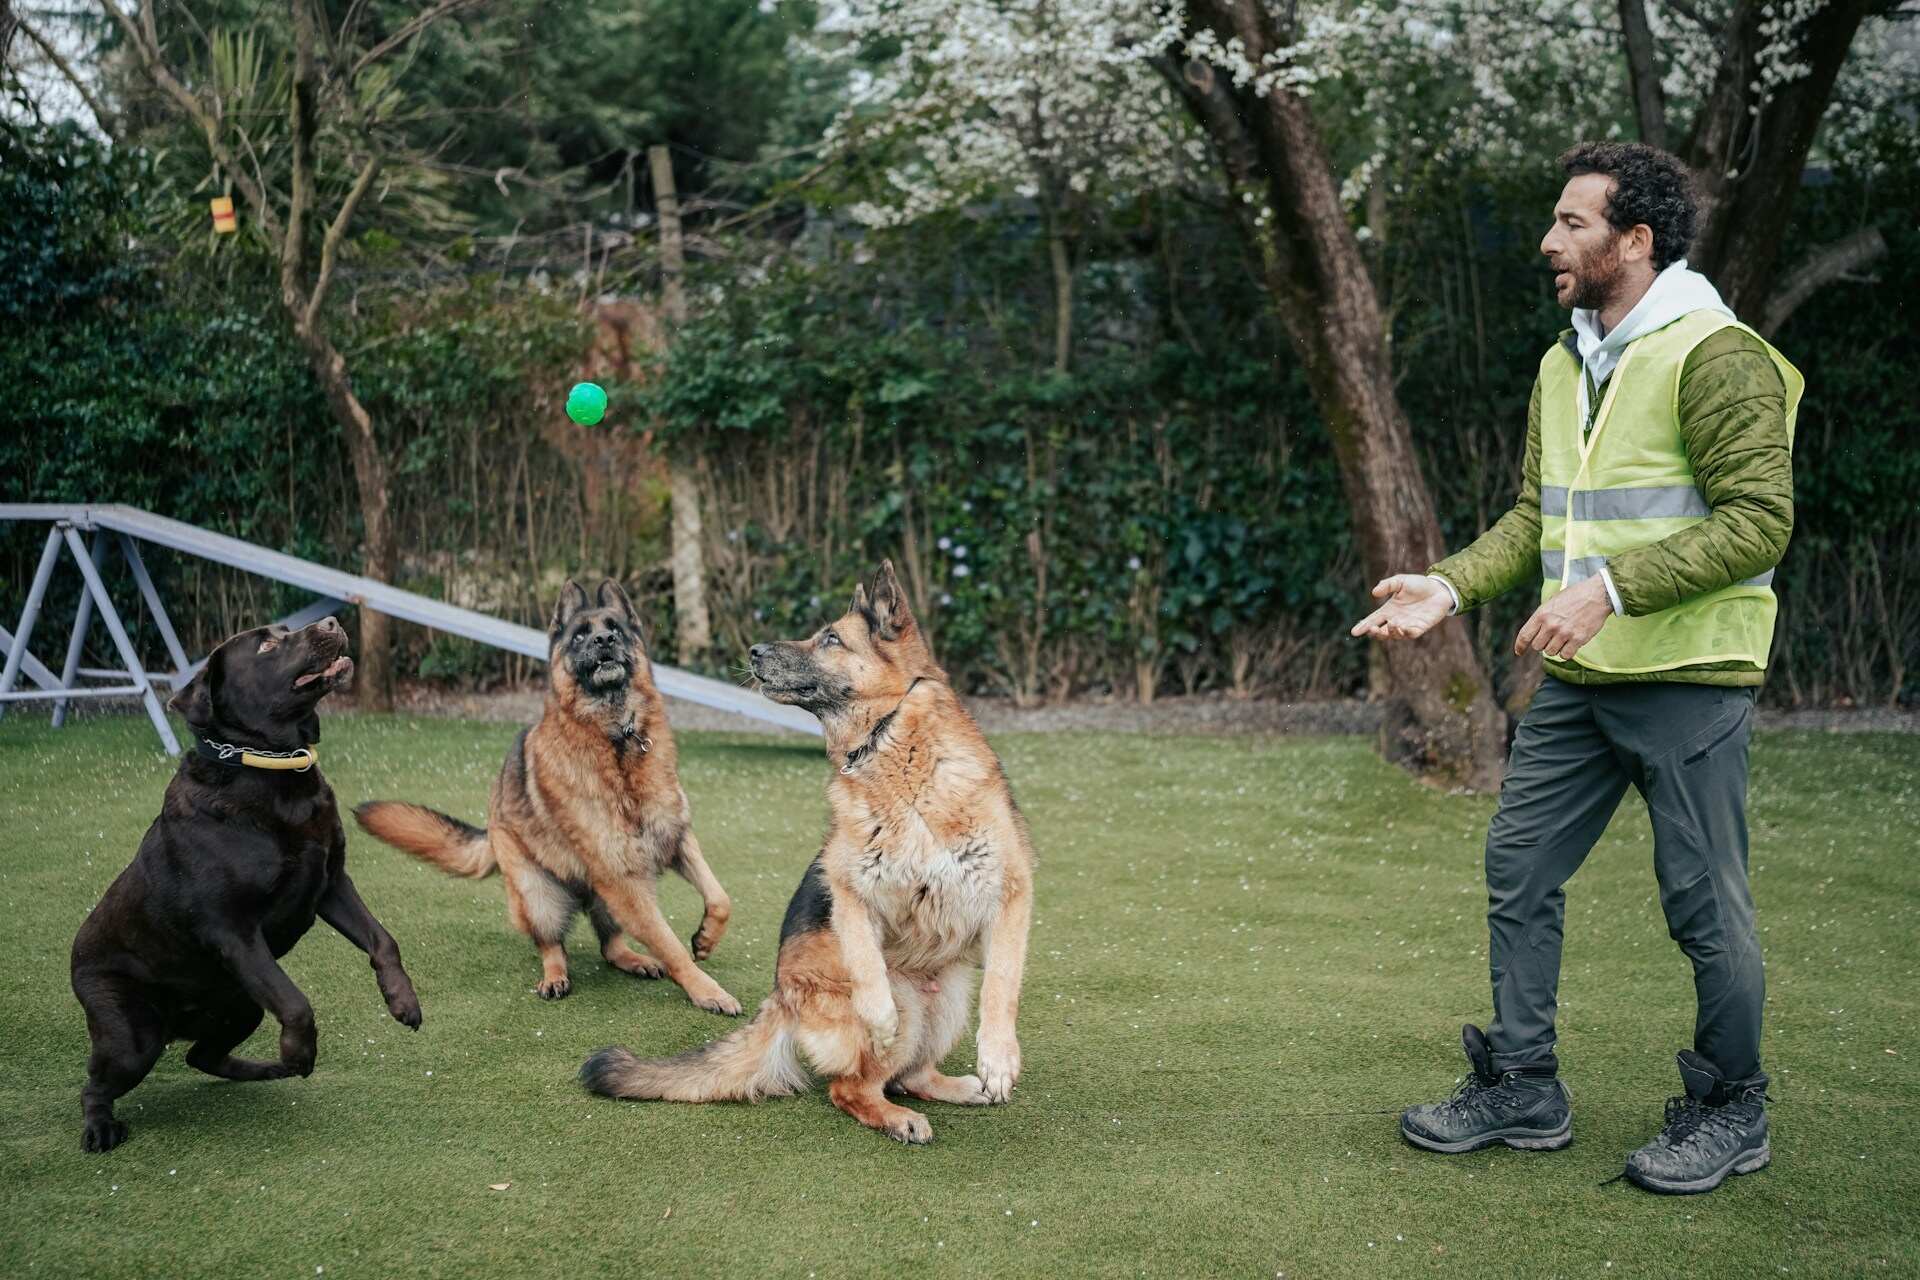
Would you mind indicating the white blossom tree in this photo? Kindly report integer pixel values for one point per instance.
(1053, 101)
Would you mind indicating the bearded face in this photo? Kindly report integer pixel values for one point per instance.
(1583, 250)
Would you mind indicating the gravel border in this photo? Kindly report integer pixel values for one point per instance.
(1201, 715)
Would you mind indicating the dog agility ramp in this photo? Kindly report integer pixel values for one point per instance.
(127, 527)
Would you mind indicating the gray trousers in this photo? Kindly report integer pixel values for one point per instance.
(1684, 747)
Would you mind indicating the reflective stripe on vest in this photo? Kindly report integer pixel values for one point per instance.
(1554, 567)
(1625, 504)
(1627, 483)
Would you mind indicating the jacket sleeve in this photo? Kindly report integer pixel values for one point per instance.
(1507, 555)
(1733, 422)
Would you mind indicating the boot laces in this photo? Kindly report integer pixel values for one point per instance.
(1687, 1116)
(1473, 1091)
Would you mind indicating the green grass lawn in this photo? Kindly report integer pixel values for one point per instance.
(1248, 955)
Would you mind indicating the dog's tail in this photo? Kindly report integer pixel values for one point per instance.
(757, 1061)
(448, 843)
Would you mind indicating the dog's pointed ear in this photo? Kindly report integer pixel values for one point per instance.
(573, 598)
(614, 596)
(194, 700)
(888, 612)
(860, 602)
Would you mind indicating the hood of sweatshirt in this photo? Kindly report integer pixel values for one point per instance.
(1675, 292)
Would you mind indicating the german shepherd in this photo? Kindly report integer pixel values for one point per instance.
(247, 852)
(587, 811)
(927, 871)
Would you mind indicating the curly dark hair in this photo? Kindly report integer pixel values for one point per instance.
(1649, 185)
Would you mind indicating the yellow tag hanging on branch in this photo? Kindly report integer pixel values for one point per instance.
(223, 220)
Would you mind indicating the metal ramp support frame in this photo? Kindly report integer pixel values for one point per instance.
(127, 527)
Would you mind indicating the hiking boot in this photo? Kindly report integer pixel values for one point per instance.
(1529, 1113)
(1714, 1129)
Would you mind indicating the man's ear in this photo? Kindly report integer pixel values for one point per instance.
(194, 701)
(614, 596)
(888, 613)
(572, 600)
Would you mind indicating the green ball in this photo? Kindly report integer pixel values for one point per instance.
(586, 403)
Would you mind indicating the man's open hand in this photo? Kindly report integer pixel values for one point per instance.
(1560, 626)
(1414, 603)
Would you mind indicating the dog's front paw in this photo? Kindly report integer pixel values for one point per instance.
(717, 1001)
(999, 1067)
(405, 1008)
(297, 1057)
(909, 1127)
(103, 1135)
(555, 988)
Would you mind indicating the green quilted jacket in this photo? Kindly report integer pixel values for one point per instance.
(1733, 420)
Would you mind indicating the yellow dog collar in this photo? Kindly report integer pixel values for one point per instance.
(226, 753)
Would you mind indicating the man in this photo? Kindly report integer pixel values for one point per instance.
(1657, 499)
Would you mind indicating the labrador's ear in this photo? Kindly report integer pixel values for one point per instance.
(573, 598)
(195, 700)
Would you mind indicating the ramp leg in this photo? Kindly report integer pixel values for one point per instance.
(125, 645)
(131, 550)
(82, 619)
(17, 651)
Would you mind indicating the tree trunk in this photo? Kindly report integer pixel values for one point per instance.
(374, 674)
(693, 629)
(1649, 103)
(1441, 721)
(1060, 257)
(301, 295)
(1749, 165)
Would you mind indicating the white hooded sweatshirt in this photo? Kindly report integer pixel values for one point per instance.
(1674, 293)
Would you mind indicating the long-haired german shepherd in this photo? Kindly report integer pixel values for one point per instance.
(927, 872)
(587, 811)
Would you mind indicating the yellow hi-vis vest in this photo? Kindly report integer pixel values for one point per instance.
(1627, 483)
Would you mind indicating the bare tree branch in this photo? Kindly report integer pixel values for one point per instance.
(300, 189)
(100, 113)
(420, 22)
(146, 46)
(348, 23)
(337, 230)
(1821, 267)
(1710, 26)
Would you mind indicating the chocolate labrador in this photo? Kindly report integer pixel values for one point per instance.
(247, 850)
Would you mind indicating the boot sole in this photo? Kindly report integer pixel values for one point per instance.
(1518, 1139)
(1751, 1162)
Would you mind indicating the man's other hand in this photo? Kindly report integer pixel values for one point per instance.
(1414, 603)
(1560, 626)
